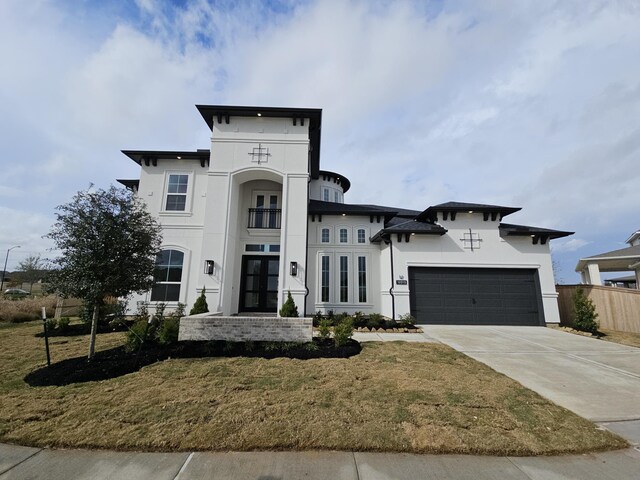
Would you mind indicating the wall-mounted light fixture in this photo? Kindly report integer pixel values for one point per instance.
(293, 269)
(208, 267)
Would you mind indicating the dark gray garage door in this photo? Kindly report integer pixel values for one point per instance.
(475, 296)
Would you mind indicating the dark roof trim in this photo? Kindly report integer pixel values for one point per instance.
(130, 184)
(223, 114)
(431, 213)
(151, 157)
(507, 229)
(319, 207)
(343, 181)
(385, 232)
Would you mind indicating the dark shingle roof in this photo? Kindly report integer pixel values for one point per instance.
(507, 229)
(431, 212)
(319, 207)
(139, 156)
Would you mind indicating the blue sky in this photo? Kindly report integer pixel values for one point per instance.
(522, 103)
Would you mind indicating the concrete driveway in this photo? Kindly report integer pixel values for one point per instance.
(596, 379)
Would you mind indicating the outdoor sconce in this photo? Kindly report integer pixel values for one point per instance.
(208, 267)
(293, 269)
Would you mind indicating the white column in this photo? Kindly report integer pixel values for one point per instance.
(594, 274)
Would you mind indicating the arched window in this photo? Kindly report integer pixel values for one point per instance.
(168, 274)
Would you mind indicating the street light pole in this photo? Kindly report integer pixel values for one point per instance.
(4, 272)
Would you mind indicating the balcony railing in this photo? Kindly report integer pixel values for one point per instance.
(265, 217)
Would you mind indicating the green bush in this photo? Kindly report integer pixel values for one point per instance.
(375, 320)
(136, 335)
(359, 319)
(317, 318)
(201, 304)
(52, 323)
(343, 331)
(585, 313)
(324, 329)
(407, 320)
(167, 332)
(63, 323)
(289, 308)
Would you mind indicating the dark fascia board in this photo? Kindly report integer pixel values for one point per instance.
(225, 112)
(344, 181)
(507, 229)
(139, 155)
(385, 232)
(431, 212)
(319, 207)
(130, 184)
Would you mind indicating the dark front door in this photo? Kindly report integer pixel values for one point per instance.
(259, 284)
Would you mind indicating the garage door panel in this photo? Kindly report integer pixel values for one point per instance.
(475, 296)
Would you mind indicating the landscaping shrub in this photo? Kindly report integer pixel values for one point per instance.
(63, 323)
(585, 313)
(167, 332)
(317, 318)
(406, 320)
(375, 320)
(200, 306)
(52, 323)
(289, 308)
(324, 328)
(359, 320)
(136, 335)
(343, 331)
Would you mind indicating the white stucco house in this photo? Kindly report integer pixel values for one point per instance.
(255, 216)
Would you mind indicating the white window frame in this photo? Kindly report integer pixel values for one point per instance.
(338, 276)
(329, 256)
(184, 279)
(358, 230)
(187, 195)
(326, 194)
(320, 229)
(357, 285)
(340, 230)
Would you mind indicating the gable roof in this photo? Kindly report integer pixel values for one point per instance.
(630, 252)
(223, 113)
(431, 213)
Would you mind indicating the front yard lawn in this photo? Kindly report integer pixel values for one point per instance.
(401, 397)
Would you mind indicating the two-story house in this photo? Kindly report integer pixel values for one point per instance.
(255, 217)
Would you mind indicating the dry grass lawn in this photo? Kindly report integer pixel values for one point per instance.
(25, 309)
(392, 397)
(625, 338)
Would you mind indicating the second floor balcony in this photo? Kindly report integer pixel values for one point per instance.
(265, 218)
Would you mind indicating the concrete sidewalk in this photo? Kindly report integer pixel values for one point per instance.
(44, 464)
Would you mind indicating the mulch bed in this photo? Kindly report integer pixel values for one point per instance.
(118, 361)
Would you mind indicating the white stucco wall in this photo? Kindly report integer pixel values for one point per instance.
(448, 251)
(317, 187)
(352, 249)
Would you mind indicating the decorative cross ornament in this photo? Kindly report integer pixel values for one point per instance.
(471, 240)
(259, 154)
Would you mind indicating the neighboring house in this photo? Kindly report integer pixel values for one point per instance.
(255, 217)
(622, 260)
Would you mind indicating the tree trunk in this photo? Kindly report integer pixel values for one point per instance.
(94, 330)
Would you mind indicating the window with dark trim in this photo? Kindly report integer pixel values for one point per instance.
(168, 275)
(177, 193)
(361, 235)
(362, 279)
(344, 279)
(324, 281)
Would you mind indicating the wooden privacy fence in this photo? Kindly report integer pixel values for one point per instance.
(617, 308)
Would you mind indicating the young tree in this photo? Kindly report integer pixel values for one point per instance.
(201, 304)
(108, 243)
(31, 268)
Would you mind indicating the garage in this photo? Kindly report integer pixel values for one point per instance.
(475, 296)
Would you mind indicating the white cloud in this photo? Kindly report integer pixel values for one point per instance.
(570, 245)
(526, 103)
